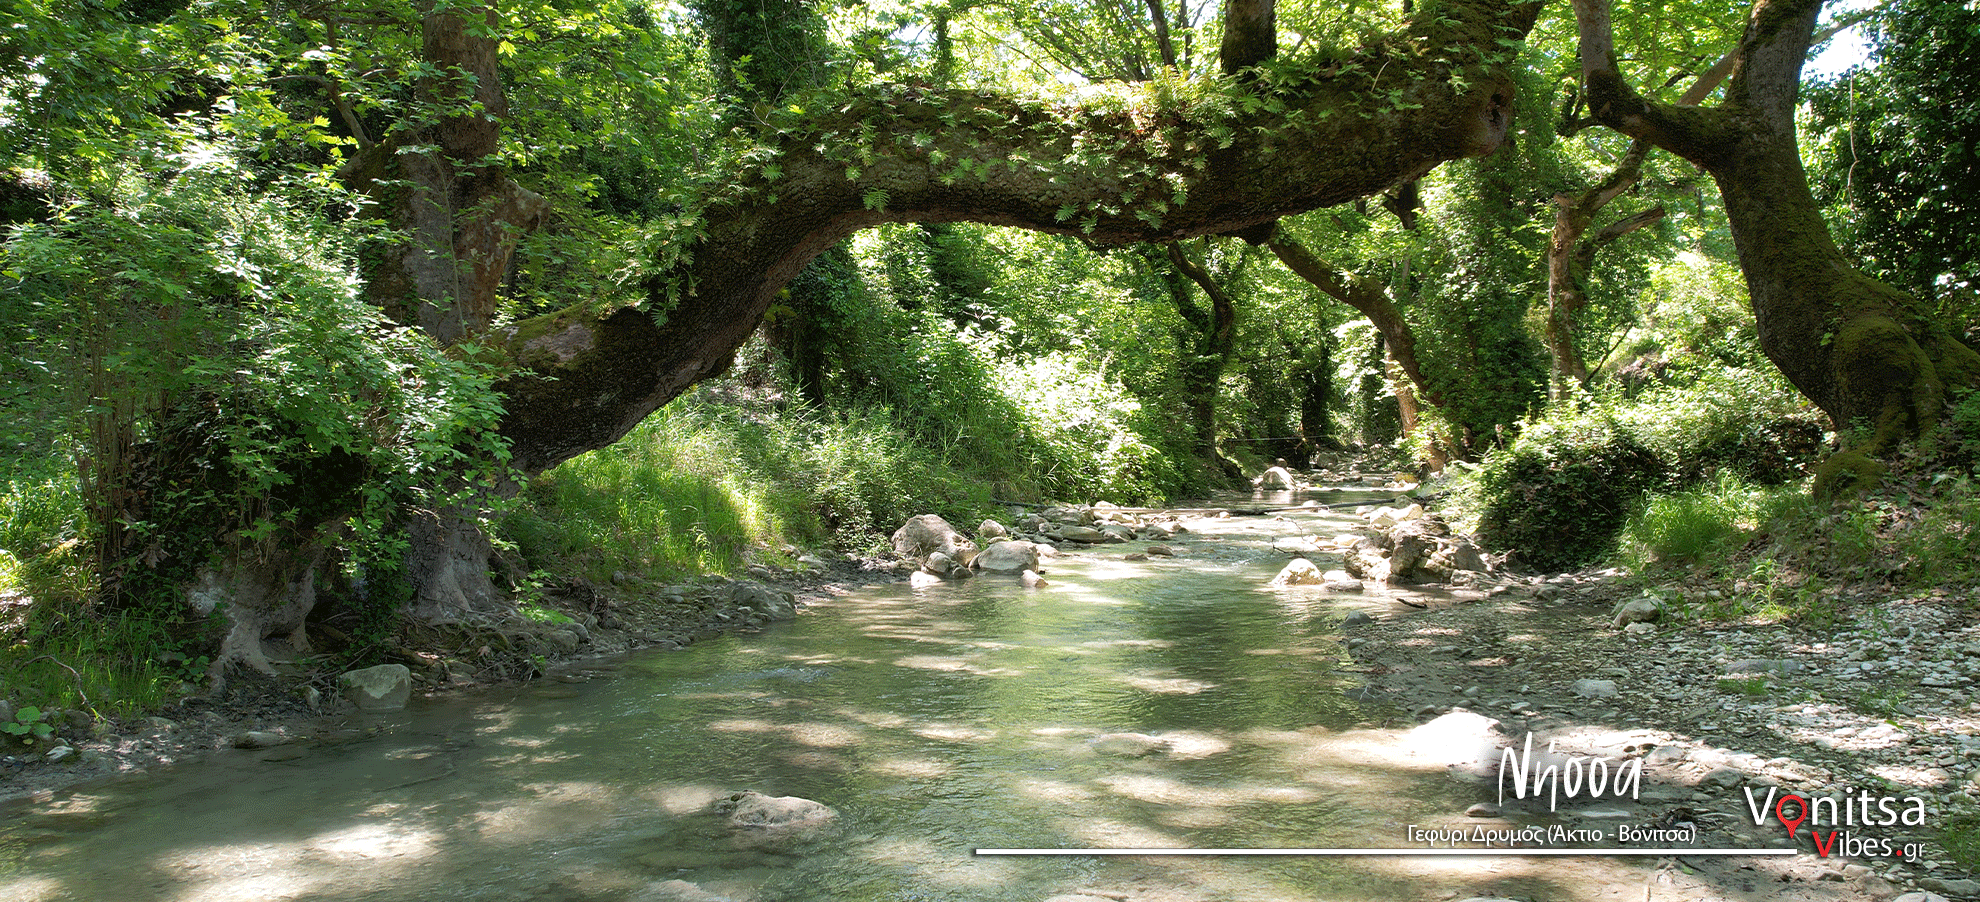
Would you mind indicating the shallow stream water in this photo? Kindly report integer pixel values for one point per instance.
(936, 722)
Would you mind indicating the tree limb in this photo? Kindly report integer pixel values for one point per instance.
(1115, 173)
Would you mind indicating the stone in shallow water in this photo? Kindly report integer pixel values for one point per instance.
(1007, 557)
(386, 687)
(754, 809)
(1126, 745)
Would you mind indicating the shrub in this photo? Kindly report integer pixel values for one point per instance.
(1558, 496)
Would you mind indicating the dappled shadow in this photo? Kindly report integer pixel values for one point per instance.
(1172, 706)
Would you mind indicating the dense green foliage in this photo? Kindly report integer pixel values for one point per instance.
(200, 375)
(1898, 167)
(1699, 407)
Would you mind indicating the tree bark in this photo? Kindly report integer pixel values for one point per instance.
(462, 214)
(1251, 34)
(904, 154)
(1370, 299)
(1215, 340)
(1571, 254)
(1868, 355)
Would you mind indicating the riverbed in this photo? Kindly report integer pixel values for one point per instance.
(1170, 704)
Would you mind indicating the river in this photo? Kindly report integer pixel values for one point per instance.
(966, 716)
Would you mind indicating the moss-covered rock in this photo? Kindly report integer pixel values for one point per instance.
(1848, 473)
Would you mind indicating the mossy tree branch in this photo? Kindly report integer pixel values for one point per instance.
(1309, 135)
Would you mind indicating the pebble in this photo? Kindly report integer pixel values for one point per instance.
(1594, 688)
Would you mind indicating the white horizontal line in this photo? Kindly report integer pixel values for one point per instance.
(1384, 852)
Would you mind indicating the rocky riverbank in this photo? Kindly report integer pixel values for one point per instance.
(575, 625)
(1879, 706)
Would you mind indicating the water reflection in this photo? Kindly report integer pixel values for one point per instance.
(962, 716)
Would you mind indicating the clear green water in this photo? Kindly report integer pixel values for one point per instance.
(936, 723)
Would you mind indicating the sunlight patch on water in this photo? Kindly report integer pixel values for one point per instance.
(30, 889)
(909, 768)
(1167, 685)
(547, 811)
(1056, 791)
(1187, 745)
(941, 865)
(823, 735)
(682, 799)
(372, 841)
(954, 665)
(948, 732)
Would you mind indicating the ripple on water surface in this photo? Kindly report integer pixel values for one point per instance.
(1171, 703)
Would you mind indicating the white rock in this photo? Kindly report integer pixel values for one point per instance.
(1007, 557)
(1641, 610)
(751, 810)
(1299, 572)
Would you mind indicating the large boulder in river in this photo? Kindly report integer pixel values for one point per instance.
(1410, 559)
(775, 823)
(1085, 534)
(926, 534)
(1300, 572)
(762, 600)
(756, 810)
(1015, 556)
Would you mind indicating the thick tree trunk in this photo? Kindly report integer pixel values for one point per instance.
(462, 215)
(903, 154)
(1868, 355)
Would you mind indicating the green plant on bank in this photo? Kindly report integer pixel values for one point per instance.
(1884, 701)
(28, 726)
(212, 390)
(1960, 839)
(1751, 686)
(69, 654)
(532, 600)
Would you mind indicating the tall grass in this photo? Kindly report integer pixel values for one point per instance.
(41, 512)
(709, 487)
(1693, 525)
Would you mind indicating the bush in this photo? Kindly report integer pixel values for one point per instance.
(217, 388)
(1558, 497)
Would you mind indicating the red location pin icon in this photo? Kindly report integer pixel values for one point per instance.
(1800, 812)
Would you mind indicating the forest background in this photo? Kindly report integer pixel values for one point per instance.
(318, 317)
